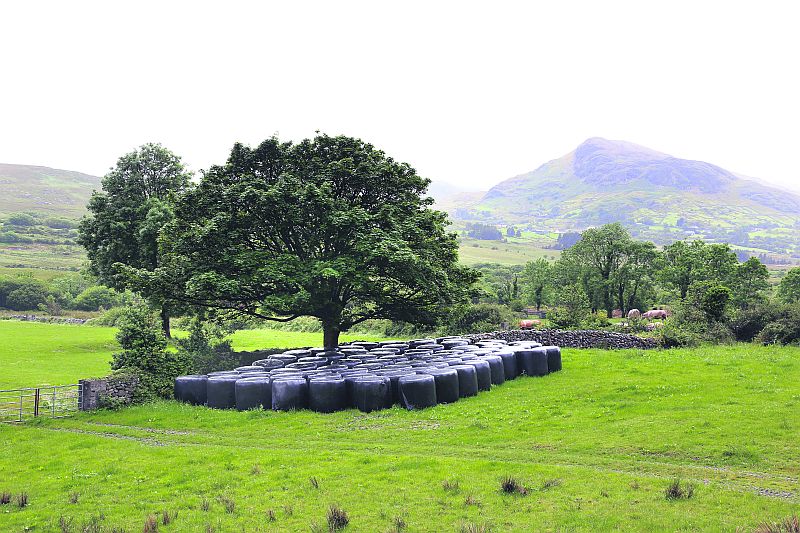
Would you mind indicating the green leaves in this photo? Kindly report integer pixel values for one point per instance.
(329, 228)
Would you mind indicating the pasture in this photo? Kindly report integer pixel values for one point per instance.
(595, 447)
(33, 354)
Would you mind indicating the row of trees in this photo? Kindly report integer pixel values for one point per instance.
(606, 270)
(330, 228)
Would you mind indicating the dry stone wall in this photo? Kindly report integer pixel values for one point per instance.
(572, 338)
(108, 391)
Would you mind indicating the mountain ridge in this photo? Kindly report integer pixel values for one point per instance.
(656, 195)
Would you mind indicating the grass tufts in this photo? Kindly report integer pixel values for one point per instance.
(337, 518)
(450, 485)
(474, 528)
(787, 525)
(314, 482)
(228, 504)
(471, 500)
(73, 497)
(205, 505)
(551, 484)
(288, 510)
(150, 524)
(271, 515)
(65, 524)
(5, 498)
(676, 491)
(22, 500)
(168, 517)
(509, 485)
(256, 470)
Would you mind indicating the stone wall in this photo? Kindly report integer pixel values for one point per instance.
(112, 390)
(572, 338)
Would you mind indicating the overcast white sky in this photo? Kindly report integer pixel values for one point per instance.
(468, 93)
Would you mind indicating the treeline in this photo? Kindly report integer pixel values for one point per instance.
(71, 292)
(713, 296)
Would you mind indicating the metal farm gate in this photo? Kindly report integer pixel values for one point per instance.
(18, 405)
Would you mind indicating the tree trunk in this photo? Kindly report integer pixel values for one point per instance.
(330, 337)
(165, 322)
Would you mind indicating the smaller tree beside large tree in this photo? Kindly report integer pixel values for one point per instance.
(124, 220)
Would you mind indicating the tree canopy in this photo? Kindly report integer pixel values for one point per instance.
(330, 227)
(125, 218)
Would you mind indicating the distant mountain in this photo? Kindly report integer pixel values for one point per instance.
(658, 196)
(44, 190)
(449, 196)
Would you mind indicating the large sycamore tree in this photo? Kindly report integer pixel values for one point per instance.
(125, 218)
(330, 228)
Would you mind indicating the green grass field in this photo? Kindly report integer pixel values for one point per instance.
(473, 252)
(34, 354)
(595, 445)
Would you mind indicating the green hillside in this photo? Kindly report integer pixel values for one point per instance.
(28, 188)
(658, 197)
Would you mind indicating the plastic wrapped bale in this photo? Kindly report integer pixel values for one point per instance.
(301, 366)
(327, 395)
(365, 344)
(191, 389)
(532, 362)
(446, 380)
(289, 393)
(483, 373)
(467, 380)
(553, 358)
(269, 364)
(394, 378)
(221, 391)
(417, 391)
(316, 361)
(285, 358)
(250, 368)
(372, 393)
(252, 393)
(497, 369)
(510, 368)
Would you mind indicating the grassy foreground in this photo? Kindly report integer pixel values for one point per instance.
(596, 446)
(34, 354)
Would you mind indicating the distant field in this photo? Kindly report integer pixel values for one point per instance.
(33, 354)
(473, 251)
(596, 445)
(51, 260)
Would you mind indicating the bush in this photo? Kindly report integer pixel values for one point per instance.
(715, 300)
(596, 321)
(144, 351)
(22, 219)
(112, 318)
(207, 349)
(96, 297)
(784, 327)
(22, 294)
(748, 323)
(472, 318)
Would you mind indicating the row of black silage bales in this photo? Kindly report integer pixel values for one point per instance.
(370, 376)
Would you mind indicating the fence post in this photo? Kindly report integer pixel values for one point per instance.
(36, 403)
(20, 406)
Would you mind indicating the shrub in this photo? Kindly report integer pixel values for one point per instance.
(715, 300)
(96, 297)
(22, 294)
(144, 350)
(112, 318)
(784, 327)
(206, 348)
(596, 321)
(22, 219)
(472, 318)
